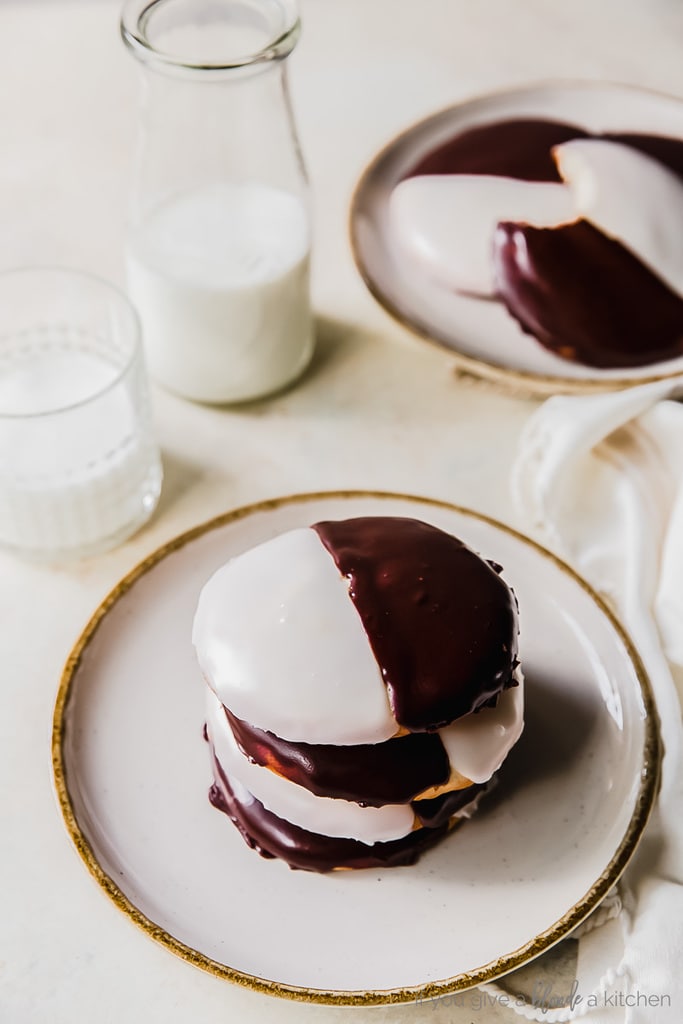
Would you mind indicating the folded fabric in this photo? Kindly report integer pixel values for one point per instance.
(599, 479)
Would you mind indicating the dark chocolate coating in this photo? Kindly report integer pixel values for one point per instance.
(441, 622)
(272, 836)
(521, 148)
(517, 148)
(438, 811)
(393, 772)
(585, 296)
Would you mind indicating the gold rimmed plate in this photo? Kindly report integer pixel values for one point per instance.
(482, 337)
(132, 773)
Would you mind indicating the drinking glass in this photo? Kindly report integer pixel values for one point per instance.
(79, 466)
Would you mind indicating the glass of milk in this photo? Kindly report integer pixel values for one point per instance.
(219, 239)
(79, 467)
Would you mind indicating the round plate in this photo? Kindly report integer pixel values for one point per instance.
(132, 774)
(486, 340)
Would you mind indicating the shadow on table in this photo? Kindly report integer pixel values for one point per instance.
(336, 343)
(180, 476)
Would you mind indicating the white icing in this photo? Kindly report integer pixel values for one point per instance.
(631, 198)
(282, 645)
(478, 744)
(297, 805)
(447, 222)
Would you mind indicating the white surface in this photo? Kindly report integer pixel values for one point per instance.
(138, 772)
(377, 408)
(220, 278)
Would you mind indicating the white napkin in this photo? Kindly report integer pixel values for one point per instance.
(600, 480)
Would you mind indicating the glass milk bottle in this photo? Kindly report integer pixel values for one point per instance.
(218, 247)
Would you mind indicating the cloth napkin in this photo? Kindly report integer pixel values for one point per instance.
(599, 479)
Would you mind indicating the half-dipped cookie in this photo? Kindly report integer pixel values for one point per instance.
(364, 689)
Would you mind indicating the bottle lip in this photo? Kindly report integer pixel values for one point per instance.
(135, 23)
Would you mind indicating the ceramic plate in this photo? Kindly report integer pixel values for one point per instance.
(486, 340)
(132, 774)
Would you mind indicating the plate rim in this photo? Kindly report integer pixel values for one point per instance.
(524, 383)
(644, 803)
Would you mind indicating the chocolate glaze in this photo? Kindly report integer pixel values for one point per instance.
(393, 772)
(521, 148)
(438, 811)
(441, 622)
(517, 148)
(585, 296)
(272, 836)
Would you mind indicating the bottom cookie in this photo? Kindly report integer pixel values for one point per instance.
(272, 836)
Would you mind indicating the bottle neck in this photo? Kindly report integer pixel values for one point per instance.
(196, 131)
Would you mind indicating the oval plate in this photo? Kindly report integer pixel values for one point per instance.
(484, 338)
(132, 775)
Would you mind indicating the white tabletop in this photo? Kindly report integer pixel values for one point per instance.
(378, 409)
